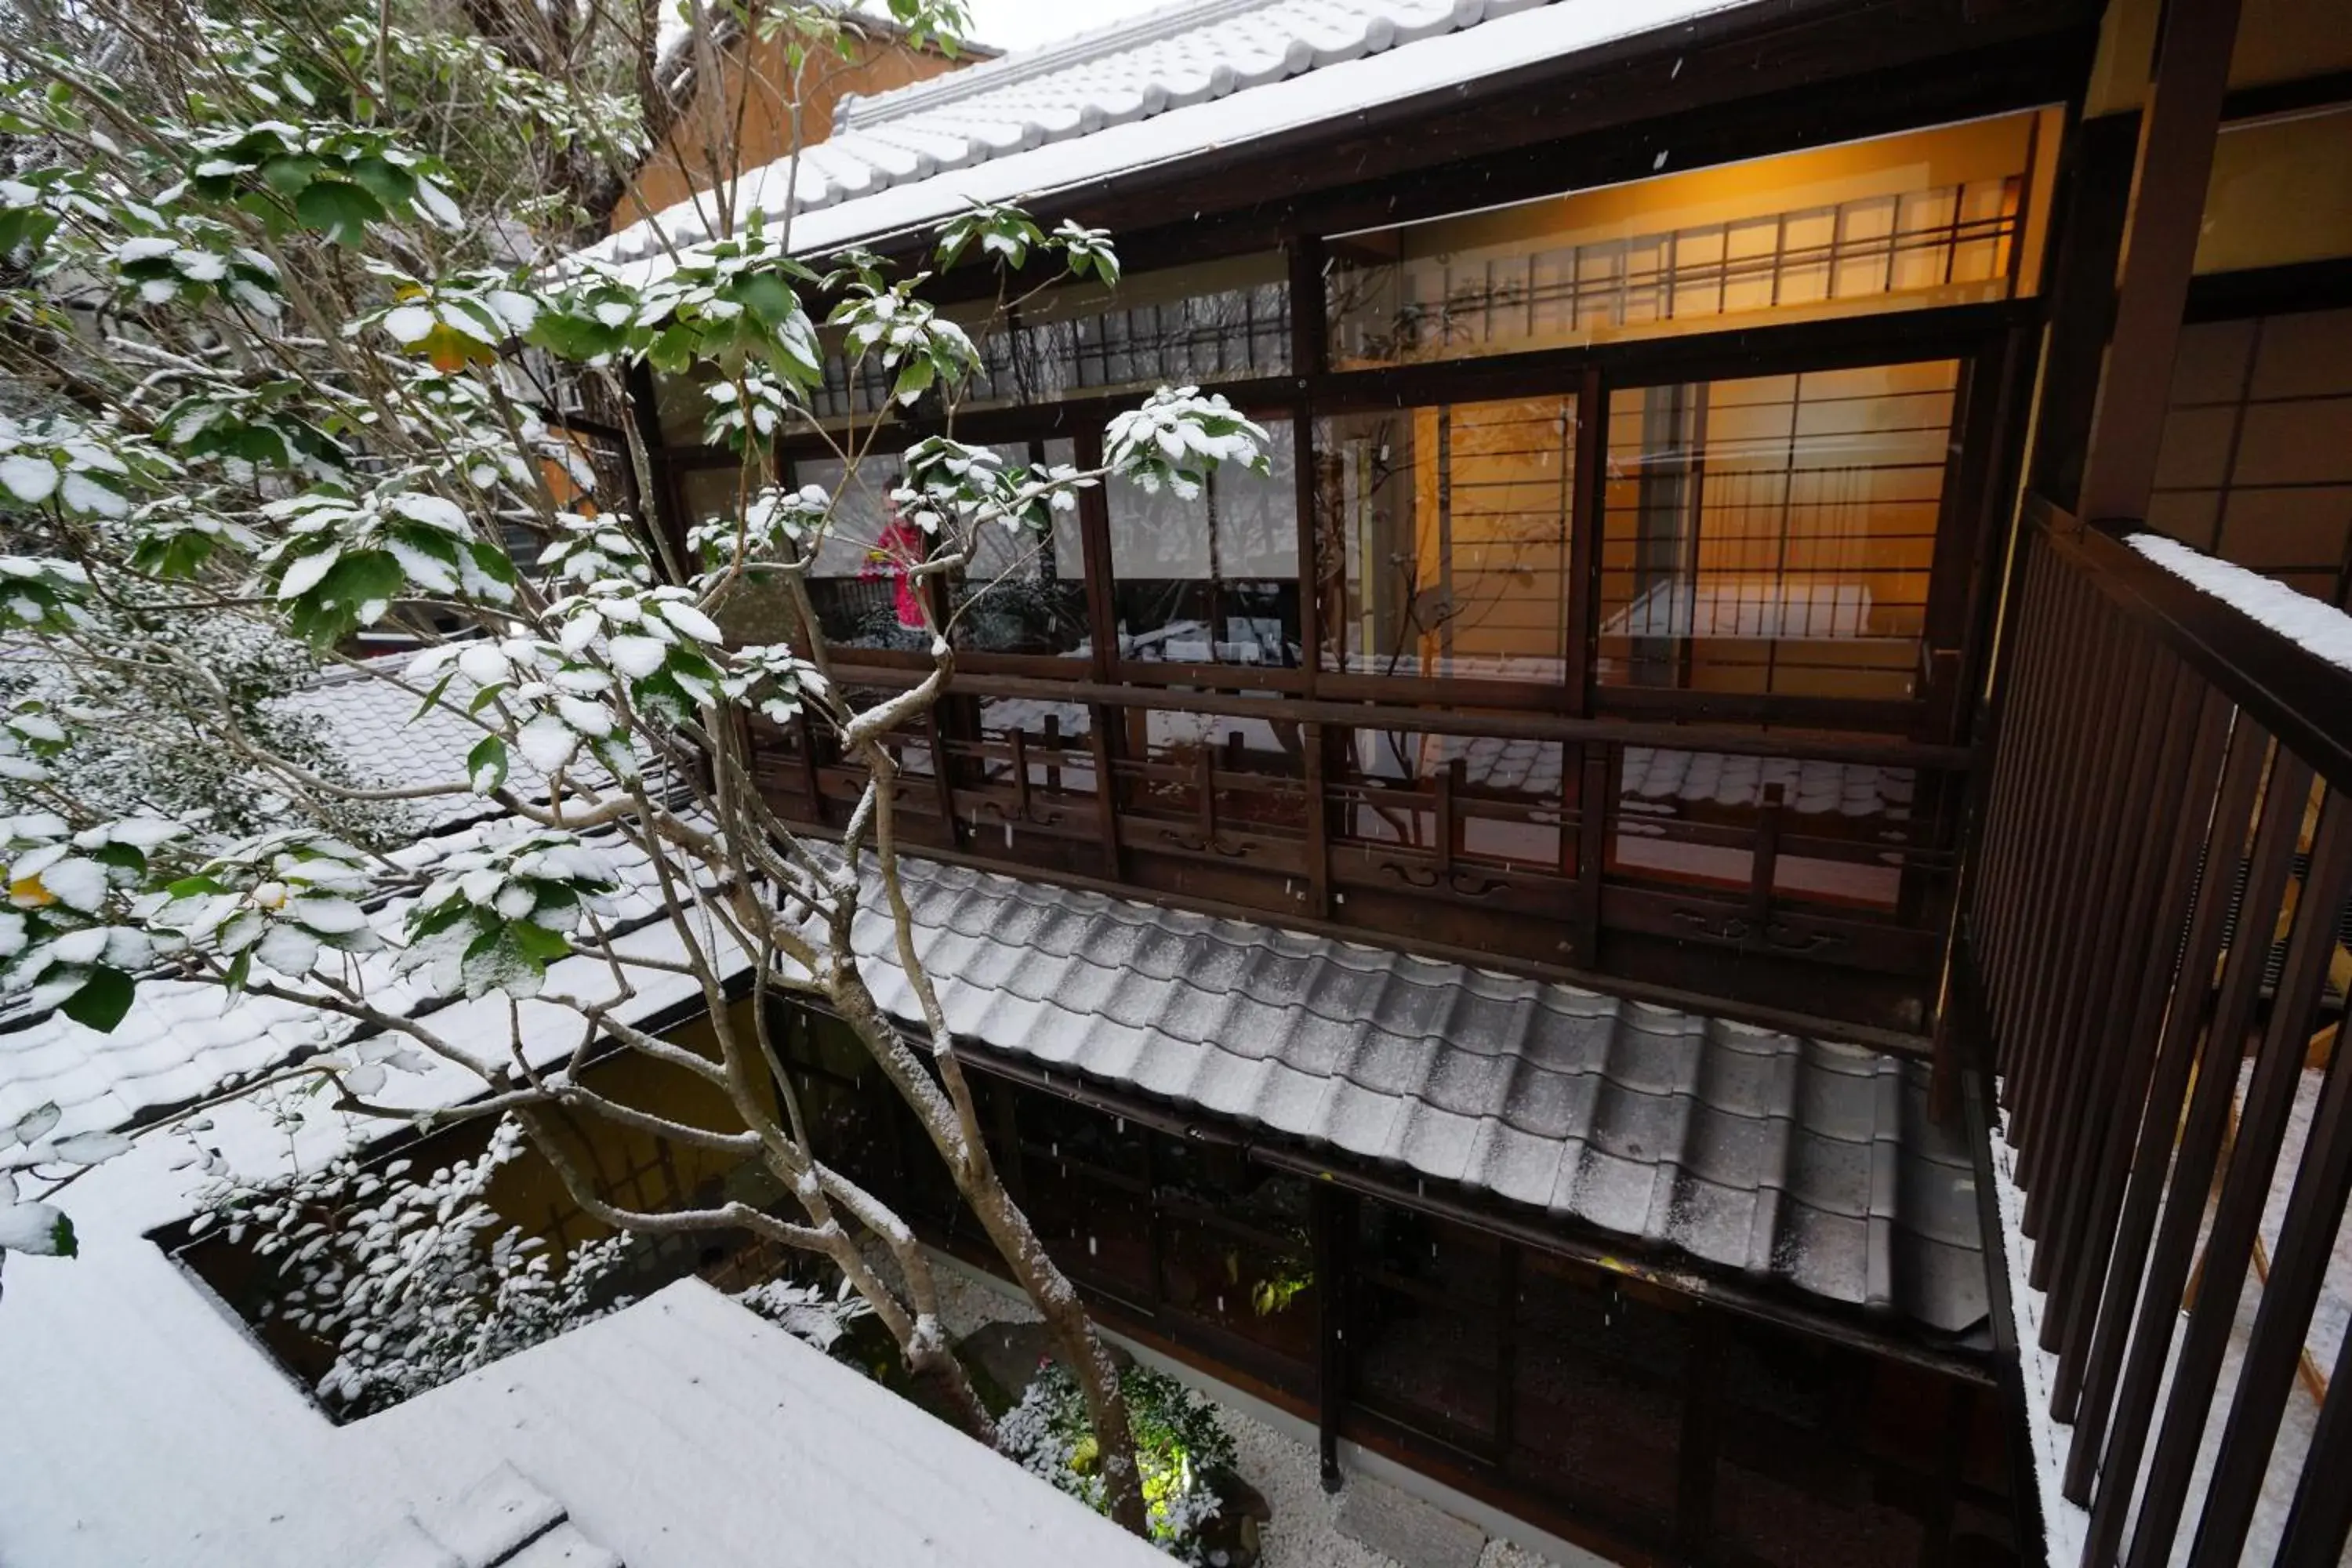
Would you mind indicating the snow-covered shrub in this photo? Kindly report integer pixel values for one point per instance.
(1180, 1444)
(807, 1312)
(412, 1282)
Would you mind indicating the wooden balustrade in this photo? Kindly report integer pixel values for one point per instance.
(1790, 872)
(2155, 903)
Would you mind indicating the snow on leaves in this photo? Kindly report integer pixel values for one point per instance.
(1005, 233)
(537, 692)
(411, 1281)
(917, 346)
(71, 936)
(772, 679)
(82, 471)
(493, 918)
(30, 1145)
(334, 179)
(458, 322)
(345, 559)
(276, 903)
(1177, 437)
(757, 404)
(39, 595)
(807, 1312)
(775, 526)
(187, 258)
(951, 488)
(30, 737)
(656, 639)
(733, 303)
(591, 548)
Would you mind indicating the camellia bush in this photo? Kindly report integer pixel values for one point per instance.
(1180, 1445)
(411, 1281)
(265, 372)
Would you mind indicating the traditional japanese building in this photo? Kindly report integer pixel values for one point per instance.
(1716, 916)
(1501, 933)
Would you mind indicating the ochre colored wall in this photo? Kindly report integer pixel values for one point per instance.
(750, 110)
(2282, 192)
(2278, 40)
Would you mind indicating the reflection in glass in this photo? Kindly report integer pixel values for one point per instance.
(1054, 742)
(1505, 795)
(1597, 1394)
(2256, 465)
(858, 581)
(1774, 536)
(1025, 592)
(1453, 522)
(1235, 1251)
(1258, 766)
(1213, 580)
(1843, 826)
(1424, 1320)
(1927, 218)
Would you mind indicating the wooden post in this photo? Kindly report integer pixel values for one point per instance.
(1319, 822)
(1101, 717)
(1702, 1439)
(1307, 356)
(2175, 164)
(1585, 523)
(1591, 849)
(645, 409)
(1766, 862)
(1332, 1214)
(1094, 535)
(809, 778)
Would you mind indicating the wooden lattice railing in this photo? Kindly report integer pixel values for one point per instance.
(2155, 917)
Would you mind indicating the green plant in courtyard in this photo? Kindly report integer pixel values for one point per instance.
(1180, 1445)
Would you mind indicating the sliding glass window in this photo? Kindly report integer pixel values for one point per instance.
(1453, 524)
(1944, 216)
(1212, 579)
(1774, 536)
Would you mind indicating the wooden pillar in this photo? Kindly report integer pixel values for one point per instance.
(2088, 220)
(1307, 353)
(1333, 1215)
(2175, 164)
(1702, 1439)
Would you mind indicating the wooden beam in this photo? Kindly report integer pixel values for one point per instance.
(2169, 176)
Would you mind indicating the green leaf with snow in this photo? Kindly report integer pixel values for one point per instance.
(40, 1229)
(102, 1001)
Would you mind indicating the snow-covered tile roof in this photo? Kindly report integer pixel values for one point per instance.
(1185, 80)
(181, 1038)
(1806, 1162)
(391, 741)
(377, 730)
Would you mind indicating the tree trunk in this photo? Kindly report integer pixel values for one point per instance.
(1047, 1288)
(1050, 1290)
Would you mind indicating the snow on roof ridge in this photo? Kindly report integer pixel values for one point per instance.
(858, 112)
(1219, 74)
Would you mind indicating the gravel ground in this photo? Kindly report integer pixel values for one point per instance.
(1306, 1529)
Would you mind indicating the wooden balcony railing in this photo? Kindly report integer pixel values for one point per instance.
(2158, 903)
(1805, 873)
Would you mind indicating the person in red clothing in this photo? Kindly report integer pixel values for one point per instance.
(895, 554)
